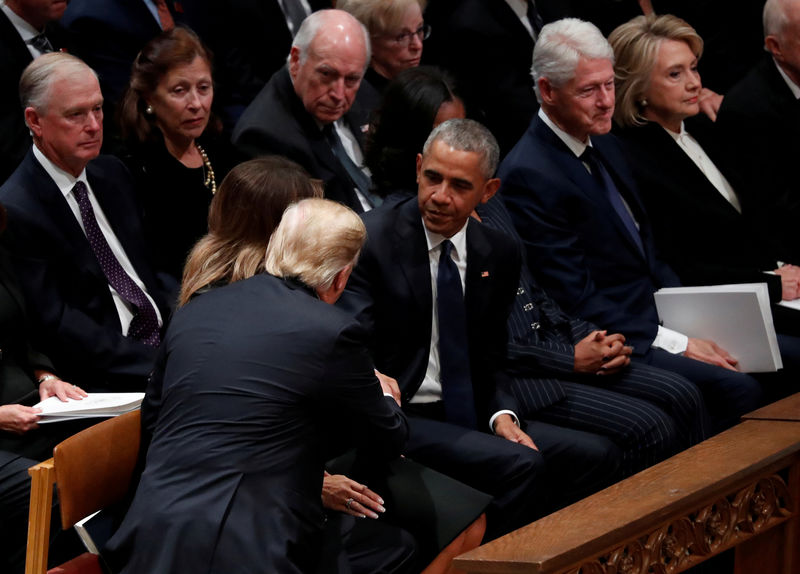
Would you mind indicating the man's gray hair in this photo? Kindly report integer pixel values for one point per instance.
(314, 241)
(561, 45)
(38, 77)
(311, 26)
(467, 135)
(775, 17)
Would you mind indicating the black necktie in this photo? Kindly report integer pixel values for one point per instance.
(144, 326)
(602, 177)
(454, 366)
(41, 43)
(358, 178)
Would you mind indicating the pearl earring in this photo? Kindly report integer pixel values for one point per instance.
(149, 110)
(643, 103)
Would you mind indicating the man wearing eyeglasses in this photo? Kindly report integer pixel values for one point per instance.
(308, 111)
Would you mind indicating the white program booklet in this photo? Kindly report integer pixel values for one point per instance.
(94, 405)
(736, 317)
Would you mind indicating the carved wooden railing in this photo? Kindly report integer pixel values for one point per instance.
(738, 489)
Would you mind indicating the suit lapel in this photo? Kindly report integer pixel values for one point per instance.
(479, 270)
(410, 253)
(575, 171)
(17, 50)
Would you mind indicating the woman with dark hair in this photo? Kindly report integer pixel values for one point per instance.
(169, 130)
(415, 102)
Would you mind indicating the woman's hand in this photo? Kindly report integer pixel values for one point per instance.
(18, 419)
(345, 495)
(61, 389)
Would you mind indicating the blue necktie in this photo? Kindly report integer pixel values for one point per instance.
(601, 175)
(144, 325)
(459, 402)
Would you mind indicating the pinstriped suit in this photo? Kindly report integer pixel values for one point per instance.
(647, 412)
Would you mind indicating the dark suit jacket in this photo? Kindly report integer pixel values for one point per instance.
(257, 379)
(390, 293)
(14, 57)
(576, 245)
(698, 232)
(278, 123)
(759, 121)
(67, 294)
(486, 47)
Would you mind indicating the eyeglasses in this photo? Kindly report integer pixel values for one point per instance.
(404, 39)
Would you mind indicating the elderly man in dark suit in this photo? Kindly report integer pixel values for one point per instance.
(260, 382)
(75, 237)
(433, 288)
(308, 110)
(574, 202)
(28, 29)
(760, 119)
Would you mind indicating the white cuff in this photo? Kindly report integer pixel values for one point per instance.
(671, 341)
(502, 412)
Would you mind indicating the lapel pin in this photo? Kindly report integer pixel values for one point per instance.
(484, 273)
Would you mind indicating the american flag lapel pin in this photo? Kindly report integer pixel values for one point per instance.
(484, 273)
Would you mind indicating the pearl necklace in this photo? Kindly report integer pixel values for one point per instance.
(210, 181)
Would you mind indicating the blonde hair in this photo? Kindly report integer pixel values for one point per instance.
(380, 16)
(636, 44)
(243, 214)
(315, 240)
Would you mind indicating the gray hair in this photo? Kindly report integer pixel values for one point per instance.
(561, 45)
(315, 240)
(311, 26)
(467, 135)
(38, 77)
(775, 17)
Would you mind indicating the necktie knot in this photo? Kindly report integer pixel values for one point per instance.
(41, 43)
(447, 248)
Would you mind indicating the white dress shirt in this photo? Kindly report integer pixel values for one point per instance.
(353, 150)
(520, 8)
(697, 154)
(65, 183)
(666, 339)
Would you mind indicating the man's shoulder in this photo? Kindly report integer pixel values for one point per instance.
(755, 92)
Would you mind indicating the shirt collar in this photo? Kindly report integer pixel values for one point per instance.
(792, 86)
(676, 136)
(459, 240)
(65, 181)
(575, 145)
(520, 7)
(24, 28)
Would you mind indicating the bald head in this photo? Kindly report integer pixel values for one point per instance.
(328, 58)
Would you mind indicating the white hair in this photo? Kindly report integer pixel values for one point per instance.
(561, 45)
(39, 76)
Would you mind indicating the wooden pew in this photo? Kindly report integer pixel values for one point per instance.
(738, 489)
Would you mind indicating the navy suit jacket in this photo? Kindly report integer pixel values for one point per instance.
(276, 122)
(576, 244)
(390, 293)
(255, 383)
(66, 292)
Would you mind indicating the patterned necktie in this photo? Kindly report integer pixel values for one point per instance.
(459, 401)
(602, 177)
(41, 43)
(358, 178)
(164, 15)
(144, 326)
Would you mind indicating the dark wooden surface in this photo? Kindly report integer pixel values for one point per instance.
(787, 409)
(678, 487)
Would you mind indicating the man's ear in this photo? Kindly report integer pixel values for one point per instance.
(32, 120)
(546, 91)
(294, 61)
(773, 45)
(490, 188)
(419, 165)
